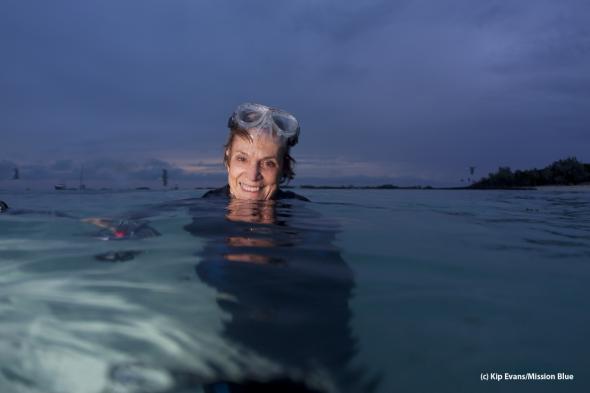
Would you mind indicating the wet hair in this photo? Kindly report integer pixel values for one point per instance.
(288, 164)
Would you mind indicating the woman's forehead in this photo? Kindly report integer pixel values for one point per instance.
(260, 145)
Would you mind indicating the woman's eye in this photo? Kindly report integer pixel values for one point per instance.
(240, 158)
(269, 164)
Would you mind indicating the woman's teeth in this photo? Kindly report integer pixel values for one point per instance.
(248, 188)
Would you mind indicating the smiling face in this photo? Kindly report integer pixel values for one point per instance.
(254, 167)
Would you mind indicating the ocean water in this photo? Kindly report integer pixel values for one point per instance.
(357, 291)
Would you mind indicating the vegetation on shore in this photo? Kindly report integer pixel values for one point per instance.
(562, 172)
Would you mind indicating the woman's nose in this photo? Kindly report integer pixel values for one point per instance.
(254, 172)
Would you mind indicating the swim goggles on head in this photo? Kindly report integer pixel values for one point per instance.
(260, 117)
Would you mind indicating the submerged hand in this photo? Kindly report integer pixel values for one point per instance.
(99, 222)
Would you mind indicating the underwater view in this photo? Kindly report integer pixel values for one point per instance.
(355, 291)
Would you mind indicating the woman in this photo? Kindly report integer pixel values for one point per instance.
(257, 154)
(289, 285)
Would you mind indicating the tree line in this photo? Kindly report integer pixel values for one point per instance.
(568, 171)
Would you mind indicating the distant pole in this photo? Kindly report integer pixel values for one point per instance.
(82, 185)
(164, 177)
(16, 175)
(471, 172)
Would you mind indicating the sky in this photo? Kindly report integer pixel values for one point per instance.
(391, 91)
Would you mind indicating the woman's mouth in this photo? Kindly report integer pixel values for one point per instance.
(249, 188)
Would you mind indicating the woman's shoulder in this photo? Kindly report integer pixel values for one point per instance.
(221, 192)
(290, 195)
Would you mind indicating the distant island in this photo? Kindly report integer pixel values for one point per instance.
(567, 172)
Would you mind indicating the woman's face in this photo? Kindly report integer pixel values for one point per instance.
(255, 167)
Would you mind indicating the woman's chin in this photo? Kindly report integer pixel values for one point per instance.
(250, 196)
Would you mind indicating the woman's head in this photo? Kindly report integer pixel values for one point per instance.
(258, 158)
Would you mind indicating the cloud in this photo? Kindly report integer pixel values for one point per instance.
(7, 169)
(435, 86)
(345, 21)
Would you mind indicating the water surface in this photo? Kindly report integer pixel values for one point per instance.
(360, 290)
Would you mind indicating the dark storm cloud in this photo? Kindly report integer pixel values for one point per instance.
(342, 21)
(409, 88)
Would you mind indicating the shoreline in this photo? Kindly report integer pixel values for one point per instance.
(577, 187)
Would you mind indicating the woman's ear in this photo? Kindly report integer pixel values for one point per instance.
(226, 160)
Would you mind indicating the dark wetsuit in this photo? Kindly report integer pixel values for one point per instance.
(223, 192)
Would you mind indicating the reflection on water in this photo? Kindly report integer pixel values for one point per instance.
(286, 290)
